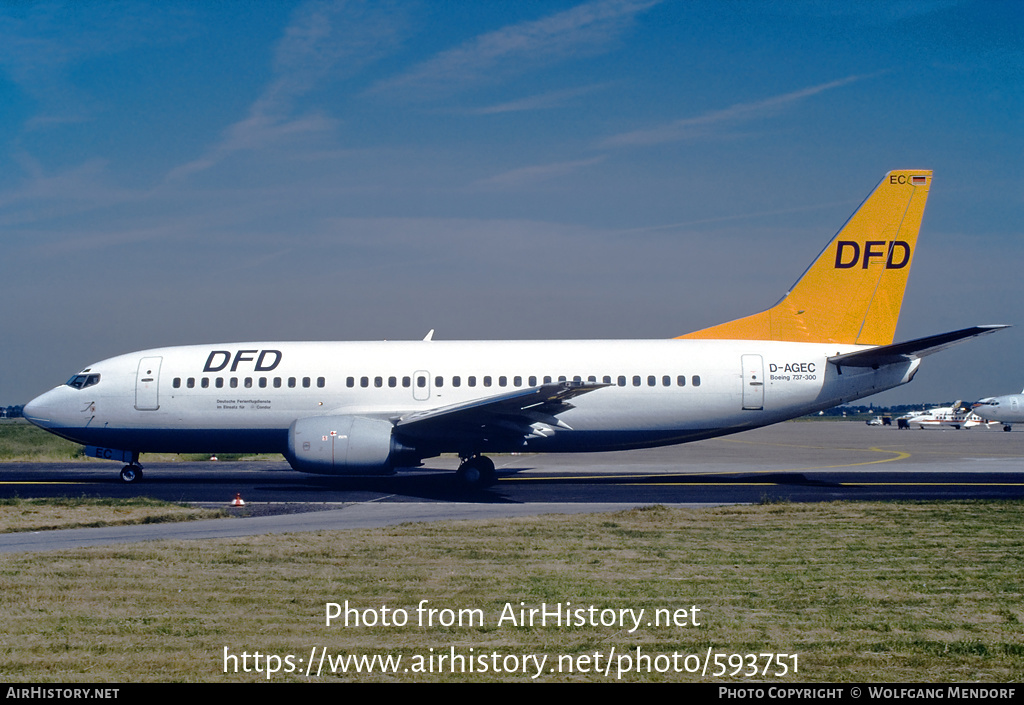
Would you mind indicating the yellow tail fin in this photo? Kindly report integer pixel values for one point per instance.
(853, 291)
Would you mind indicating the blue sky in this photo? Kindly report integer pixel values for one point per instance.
(194, 172)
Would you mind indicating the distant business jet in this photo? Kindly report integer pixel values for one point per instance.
(1007, 409)
(369, 407)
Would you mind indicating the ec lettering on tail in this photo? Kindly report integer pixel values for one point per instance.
(848, 253)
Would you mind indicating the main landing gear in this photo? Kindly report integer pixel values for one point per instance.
(132, 472)
(476, 472)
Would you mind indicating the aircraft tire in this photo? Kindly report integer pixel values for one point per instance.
(476, 473)
(131, 474)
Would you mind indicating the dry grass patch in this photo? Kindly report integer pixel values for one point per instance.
(862, 592)
(72, 513)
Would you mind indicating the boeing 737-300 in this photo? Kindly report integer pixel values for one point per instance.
(358, 408)
(1007, 409)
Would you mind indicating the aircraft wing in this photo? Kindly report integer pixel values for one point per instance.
(910, 350)
(518, 414)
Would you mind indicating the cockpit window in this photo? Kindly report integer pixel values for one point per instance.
(83, 381)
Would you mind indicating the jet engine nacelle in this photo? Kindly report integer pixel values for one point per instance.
(345, 445)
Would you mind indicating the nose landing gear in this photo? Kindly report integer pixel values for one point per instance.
(132, 472)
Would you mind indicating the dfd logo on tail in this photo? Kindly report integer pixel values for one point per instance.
(848, 253)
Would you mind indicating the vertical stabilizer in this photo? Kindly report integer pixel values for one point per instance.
(853, 292)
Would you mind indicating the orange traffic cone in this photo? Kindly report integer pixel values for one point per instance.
(238, 501)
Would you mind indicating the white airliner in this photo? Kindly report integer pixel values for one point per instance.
(1007, 409)
(370, 407)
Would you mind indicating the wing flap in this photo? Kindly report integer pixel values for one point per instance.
(518, 414)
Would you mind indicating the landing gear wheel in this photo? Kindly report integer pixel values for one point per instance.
(1006, 428)
(476, 472)
(131, 473)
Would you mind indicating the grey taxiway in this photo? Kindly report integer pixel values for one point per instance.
(794, 461)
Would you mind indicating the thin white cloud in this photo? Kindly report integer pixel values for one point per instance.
(585, 29)
(325, 41)
(40, 43)
(729, 218)
(541, 101)
(702, 125)
(540, 172)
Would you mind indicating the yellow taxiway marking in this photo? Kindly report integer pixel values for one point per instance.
(897, 455)
(44, 482)
(937, 484)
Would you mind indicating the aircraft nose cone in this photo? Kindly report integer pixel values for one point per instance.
(39, 411)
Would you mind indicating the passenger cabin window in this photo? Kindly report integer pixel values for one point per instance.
(321, 382)
(83, 381)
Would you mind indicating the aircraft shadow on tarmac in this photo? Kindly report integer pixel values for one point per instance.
(443, 487)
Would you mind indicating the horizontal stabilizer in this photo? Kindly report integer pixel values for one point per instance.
(910, 350)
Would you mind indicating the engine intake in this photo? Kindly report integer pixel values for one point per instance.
(346, 445)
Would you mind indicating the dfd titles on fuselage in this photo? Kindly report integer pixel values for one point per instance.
(219, 359)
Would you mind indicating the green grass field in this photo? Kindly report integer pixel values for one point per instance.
(21, 441)
(858, 591)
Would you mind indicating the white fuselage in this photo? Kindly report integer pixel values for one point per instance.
(243, 397)
(1007, 409)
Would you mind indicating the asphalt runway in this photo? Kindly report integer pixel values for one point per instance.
(794, 461)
